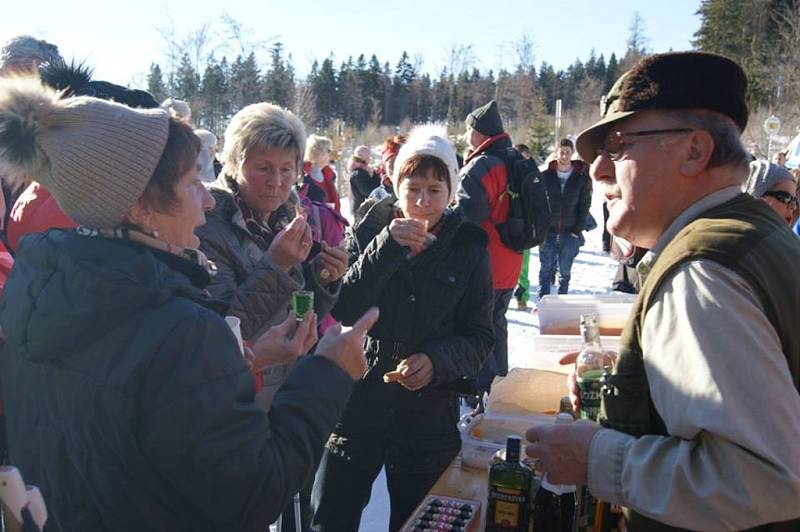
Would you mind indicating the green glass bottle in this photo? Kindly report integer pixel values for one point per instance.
(589, 368)
(509, 503)
(591, 364)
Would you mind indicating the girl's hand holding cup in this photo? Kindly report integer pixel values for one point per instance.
(409, 233)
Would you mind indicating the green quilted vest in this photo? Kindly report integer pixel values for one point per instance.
(744, 235)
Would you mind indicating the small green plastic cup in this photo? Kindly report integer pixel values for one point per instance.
(302, 303)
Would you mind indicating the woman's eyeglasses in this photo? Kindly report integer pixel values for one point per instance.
(784, 197)
(615, 142)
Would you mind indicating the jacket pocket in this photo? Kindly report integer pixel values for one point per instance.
(447, 289)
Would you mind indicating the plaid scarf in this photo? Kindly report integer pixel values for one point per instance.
(261, 232)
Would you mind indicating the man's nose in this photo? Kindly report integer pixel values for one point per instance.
(602, 167)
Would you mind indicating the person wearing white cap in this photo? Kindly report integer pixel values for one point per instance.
(427, 269)
(127, 398)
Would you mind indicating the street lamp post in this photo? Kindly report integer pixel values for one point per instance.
(771, 127)
(558, 122)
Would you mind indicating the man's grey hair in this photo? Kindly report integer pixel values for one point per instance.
(262, 126)
(728, 148)
(26, 53)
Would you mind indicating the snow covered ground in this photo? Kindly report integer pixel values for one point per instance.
(592, 273)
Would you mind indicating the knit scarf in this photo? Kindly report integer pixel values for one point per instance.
(260, 231)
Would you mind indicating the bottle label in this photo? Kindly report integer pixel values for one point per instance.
(507, 505)
(591, 392)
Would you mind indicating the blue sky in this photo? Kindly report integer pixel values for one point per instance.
(121, 39)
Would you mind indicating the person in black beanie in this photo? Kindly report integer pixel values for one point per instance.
(482, 200)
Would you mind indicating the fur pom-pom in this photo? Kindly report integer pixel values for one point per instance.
(26, 111)
(73, 78)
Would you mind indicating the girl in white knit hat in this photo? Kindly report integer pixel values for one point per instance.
(427, 269)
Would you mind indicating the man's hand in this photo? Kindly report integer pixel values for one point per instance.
(562, 450)
(409, 233)
(291, 245)
(285, 342)
(347, 349)
(330, 264)
(413, 372)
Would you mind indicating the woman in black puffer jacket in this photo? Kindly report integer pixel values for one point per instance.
(427, 269)
(127, 398)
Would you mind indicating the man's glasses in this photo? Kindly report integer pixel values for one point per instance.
(784, 197)
(358, 159)
(615, 142)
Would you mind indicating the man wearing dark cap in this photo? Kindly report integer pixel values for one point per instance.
(483, 200)
(700, 417)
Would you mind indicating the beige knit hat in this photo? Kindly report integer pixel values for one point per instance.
(95, 156)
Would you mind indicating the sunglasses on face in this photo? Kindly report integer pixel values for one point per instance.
(358, 159)
(784, 197)
(616, 141)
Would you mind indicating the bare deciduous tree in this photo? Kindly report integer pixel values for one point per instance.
(237, 40)
(459, 58)
(525, 51)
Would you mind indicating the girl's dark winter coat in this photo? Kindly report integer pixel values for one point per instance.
(438, 303)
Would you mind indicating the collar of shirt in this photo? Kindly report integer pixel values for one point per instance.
(690, 214)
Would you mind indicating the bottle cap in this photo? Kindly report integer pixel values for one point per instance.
(513, 445)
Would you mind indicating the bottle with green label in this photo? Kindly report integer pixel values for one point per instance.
(589, 367)
(509, 492)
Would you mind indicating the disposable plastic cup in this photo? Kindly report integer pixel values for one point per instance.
(236, 326)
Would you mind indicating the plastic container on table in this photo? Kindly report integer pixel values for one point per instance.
(561, 314)
(484, 435)
(547, 350)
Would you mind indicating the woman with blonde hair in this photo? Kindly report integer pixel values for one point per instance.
(264, 242)
(319, 178)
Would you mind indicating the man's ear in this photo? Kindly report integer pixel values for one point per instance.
(698, 153)
(141, 215)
